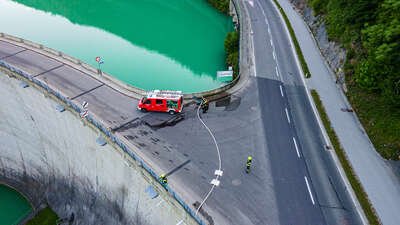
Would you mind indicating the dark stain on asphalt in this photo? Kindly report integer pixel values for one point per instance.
(143, 132)
(230, 103)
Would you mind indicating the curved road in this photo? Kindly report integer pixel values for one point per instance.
(308, 187)
(293, 180)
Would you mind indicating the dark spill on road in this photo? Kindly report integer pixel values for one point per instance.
(230, 103)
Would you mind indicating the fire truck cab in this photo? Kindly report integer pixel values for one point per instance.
(162, 101)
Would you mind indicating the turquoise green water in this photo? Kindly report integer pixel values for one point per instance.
(151, 44)
(13, 206)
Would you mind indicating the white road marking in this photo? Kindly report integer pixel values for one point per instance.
(269, 31)
(287, 115)
(251, 3)
(159, 203)
(262, 10)
(297, 148)
(276, 71)
(270, 41)
(273, 54)
(309, 190)
(180, 222)
(280, 87)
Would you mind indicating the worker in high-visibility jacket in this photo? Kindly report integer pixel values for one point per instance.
(248, 164)
(204, 105)
(163, 179)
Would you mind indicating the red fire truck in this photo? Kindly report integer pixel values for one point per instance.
(162, 101)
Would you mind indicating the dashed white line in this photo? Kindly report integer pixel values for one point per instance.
(276, 71)
(280, 87)
(263, 12)
(287, 115)
(251, 3)
(309, 190)
(180, 222)
(297, 148)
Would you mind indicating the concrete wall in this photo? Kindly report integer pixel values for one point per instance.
(52, 156)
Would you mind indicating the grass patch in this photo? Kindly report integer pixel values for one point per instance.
(355, 184)
(45, 217)
(380, 120)
(303, 63)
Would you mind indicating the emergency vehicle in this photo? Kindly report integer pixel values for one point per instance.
(162, 101)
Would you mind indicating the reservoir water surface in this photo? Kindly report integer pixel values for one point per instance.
(150, 44)
(13, 206)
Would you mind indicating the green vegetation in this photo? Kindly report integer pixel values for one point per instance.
(299, 53)
(358, 189)
(380, 120)
(370, 32)
(45, 217)
(232, 51)
(232, 39)
(221, 5)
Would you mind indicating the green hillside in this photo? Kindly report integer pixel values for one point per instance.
(370, 32)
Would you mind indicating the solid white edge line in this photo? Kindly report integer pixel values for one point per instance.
(297, 149)
(287, 115)
(309, 190)
(277, 71)
(324, 134)
(270, 41)
(280, 87)
(273, 54)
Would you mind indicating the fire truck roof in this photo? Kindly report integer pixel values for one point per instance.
(164, 94)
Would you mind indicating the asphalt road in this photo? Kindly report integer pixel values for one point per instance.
(293, 179)
(288, 118)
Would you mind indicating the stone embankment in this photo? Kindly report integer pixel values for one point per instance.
(334, 54)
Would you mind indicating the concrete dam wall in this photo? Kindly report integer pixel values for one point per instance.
(53, 157)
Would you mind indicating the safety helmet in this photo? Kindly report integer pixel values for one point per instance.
(249, 158)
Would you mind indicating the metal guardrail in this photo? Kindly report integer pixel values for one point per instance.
(107, 132)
